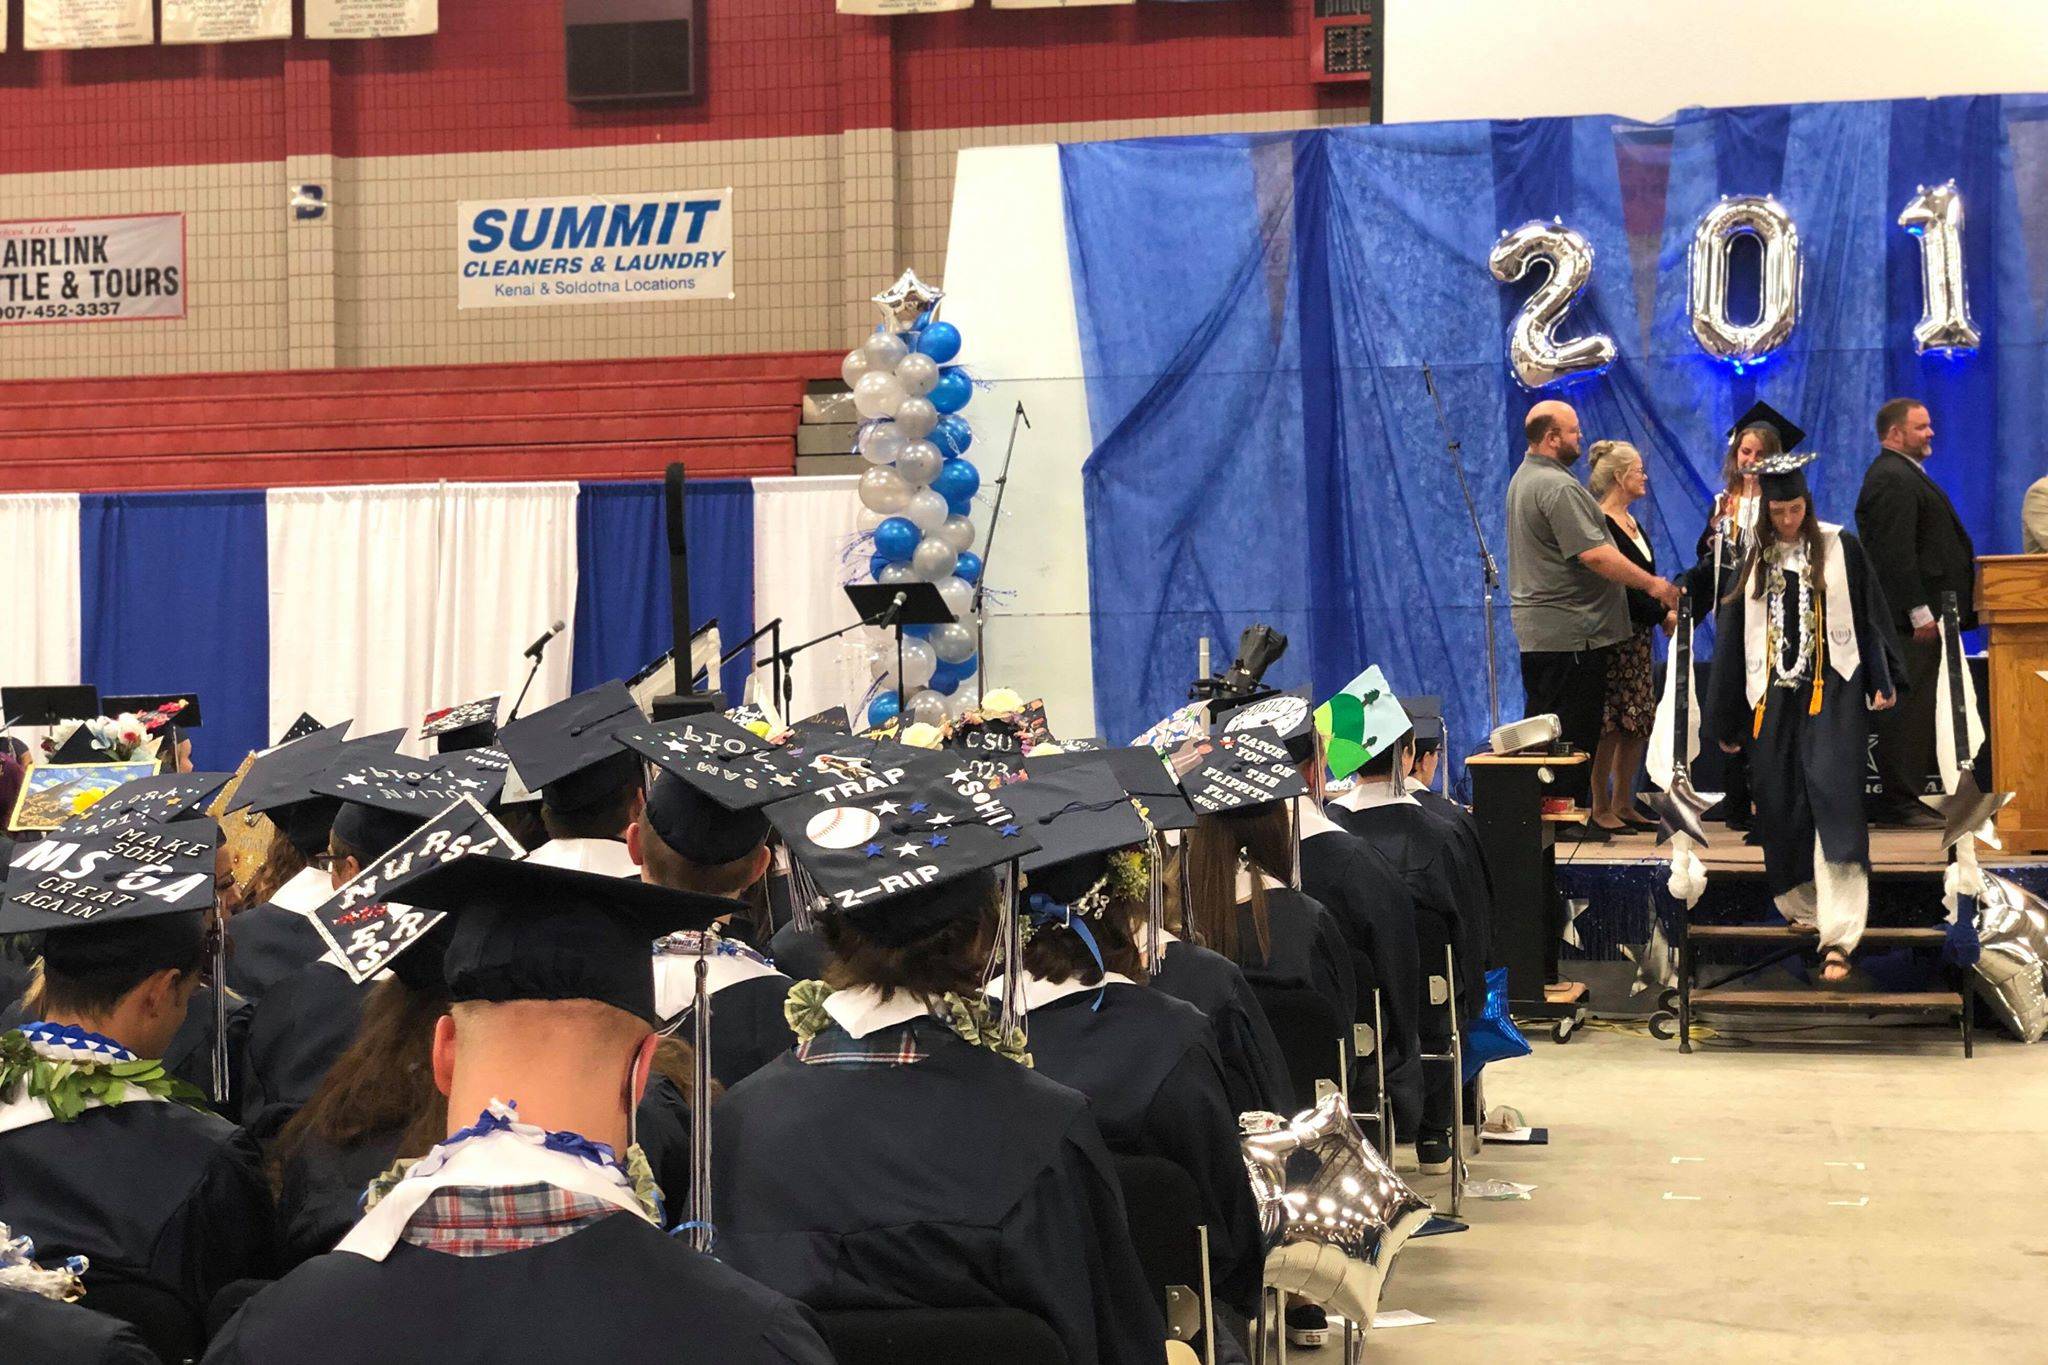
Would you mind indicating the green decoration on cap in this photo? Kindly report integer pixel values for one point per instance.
(1360, 722)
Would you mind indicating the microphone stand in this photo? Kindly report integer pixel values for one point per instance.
(531, 671)
(1489, 571)
(781, 659)
(987, 551)
(773, 630)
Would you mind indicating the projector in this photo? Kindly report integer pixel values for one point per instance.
(1528, 733)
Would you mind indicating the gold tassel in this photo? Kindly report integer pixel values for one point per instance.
(1756, 730)
(1820, 649)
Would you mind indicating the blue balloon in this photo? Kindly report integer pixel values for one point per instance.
(918, 632)
(940, 341)
(883, 708)
(968, 567)
(896, 538)
(877, 563)
(943, 682)
(957, 480)
(960, 507)
(952, 391)
(952, 436)
(1493, 1037)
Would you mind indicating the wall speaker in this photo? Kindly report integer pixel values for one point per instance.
(631, 50)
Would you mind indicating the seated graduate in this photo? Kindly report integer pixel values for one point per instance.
(534, 1232)
(105, 1154)
(1425, 714)
(42, 1320)
(590, 785)
(1146, 1061)
(901, 1156)
(702, 829)
(1367, 735)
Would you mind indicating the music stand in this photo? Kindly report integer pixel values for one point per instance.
(187, 719)
(48, 705)
(898, 605)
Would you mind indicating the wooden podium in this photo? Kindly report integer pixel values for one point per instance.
(2012, 603)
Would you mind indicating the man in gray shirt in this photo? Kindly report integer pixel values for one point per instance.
(1566, 581)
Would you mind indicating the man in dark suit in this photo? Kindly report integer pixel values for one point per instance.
(1920, 550)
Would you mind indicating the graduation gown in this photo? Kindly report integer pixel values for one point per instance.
(1376, 914)
(1149, 1067)
(295, 1033)
(962, 1180)
(46, 1332)
(619, 1291)
(799, 954)
(1307, 952)
(266, 944)
(1254, 1070)
(1476, 892)
(748, 1029)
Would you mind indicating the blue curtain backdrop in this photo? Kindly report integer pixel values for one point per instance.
(1255, 312)
(174, 596)
(622, 580)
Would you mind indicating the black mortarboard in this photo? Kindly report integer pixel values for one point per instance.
(1426, 713)
(900, 859)
(178, 709)
(569, 752)
(1151, 784)
(1782, 478)
(1012, 733)
(1073, 809)
(164, 796)
(471, 725)
(280, 783)
(489, 767)
(526, 931)
(80, 747)
(717, 777)
(1762, 414)
(135, 891)
(831, 718)
(385, 797)
(1236, 772)
(1290, 714)
(300, 728)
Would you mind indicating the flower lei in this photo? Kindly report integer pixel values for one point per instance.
(503, 1117)
(1808, 620)
(971, 1019)
(71, 1070)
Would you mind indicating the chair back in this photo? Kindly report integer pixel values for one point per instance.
(1163, 1208)
(940, 1336)
(158, 1316)
(1311, 1036)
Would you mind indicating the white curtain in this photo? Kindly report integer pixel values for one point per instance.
(800, 525)
(39, 574)
(508, 570)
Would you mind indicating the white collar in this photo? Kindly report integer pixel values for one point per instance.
(1312, 820)
(1367, 793)
(860, 1010)
(675, 977)
(1037, 991)
(307, 891)
(607, 857)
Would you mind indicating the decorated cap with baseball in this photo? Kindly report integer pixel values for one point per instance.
(1360, 722)
(570, 753)
(471, 725)
(1289, 714)
(1236, 772)
(1074, 806)
(886, 855)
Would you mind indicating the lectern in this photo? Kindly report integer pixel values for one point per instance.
(2012, 603)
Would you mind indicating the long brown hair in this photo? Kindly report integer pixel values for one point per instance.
(1055, 953)
(1262, 837)
(1767, 444)
(1757, 569)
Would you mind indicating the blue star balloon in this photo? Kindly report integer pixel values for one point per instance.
(1493, 1037)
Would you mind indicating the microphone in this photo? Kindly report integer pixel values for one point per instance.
(1428, 379)
(533, 651)
(889, 616)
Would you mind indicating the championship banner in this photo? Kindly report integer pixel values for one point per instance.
(646, 248)
(371, 18)
(47, 24)
(92, 269)
(226, 21)
(901, 6)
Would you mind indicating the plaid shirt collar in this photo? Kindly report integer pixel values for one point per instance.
(489, 1220)
(897, 1045)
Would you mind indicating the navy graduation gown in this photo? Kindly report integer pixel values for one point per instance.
(959, 1181)
(1307, 952)
(46, 1332)
(1254, 1069)
(189, 1055)
(1148, 1065)
(748, 1029)
(799, 954)
(266, 944)
(1376, 914)
(297, 1030)
(1476, 892)
(619, 1291)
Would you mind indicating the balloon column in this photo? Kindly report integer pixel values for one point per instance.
(917, 493)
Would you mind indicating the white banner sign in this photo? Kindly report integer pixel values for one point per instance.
(901, 6)
(86, 23)
(226, 21)
(92, 269)
(636, 248)
(371, 18)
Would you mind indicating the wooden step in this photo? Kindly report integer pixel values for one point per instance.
(1933, 1002)
(1756, 932)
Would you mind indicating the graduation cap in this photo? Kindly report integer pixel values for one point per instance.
(1075, 809)
(717, 778)
(1146, 778)
(569, 752)
(1426, 718)
(526, 931)
(1237, 772)
(1184, 723)
(1762, 414)
(1011, 732)
(490, 766)
(385, 797)
(899, 859)
(282, 776)
(1782, 478)
(471, 725)
(1360, 723)
(157, 709)
(1290, 714)
(164, 796)
(305, 725)
(126, 875)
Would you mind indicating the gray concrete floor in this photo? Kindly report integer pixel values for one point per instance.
(1842, 1201)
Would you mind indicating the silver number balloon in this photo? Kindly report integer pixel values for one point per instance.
(1936, 217)
(2012, 926)
(1539, 359)
(1765, 219)
(1333, 1212)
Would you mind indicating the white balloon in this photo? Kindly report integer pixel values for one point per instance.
(960, 703)
(919, 462)
(928, 707)
(926, 509)
(883, 444)
(918, 373)
(896, 573)
(959, 595)
(916, 417)
(882, 490)
(877, 394)
(854, 366)
(884, 350)
(958, 532)
(880, 660)
(933, 559)
(868, 519)
(918, 663)
(952, 642)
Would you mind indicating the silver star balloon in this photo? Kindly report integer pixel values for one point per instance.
(1969, 811)
(1656, 961)
(903, 302)
(2012, 926)
(1679, 809)
(1333, 1212)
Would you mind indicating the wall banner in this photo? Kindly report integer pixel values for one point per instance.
(86, 23)
(226, 21)
(639, 248)
(371, 18)
(92, 269)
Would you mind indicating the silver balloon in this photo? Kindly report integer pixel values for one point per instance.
(893, 574)
(919, 462)
(927, 706)
(957, 532)
(915, 417)
(918, 663)
(952, 642)
(2012, 926)
(885, 350)
(867, 519)
(1539, 359)
(933, 559)
(959, 594)
(1765, 219)
(882, 490)
(1333, 1212)
(927, 510)
(882, 444)
(877, 394)
(918, 373)
(1936, 217)
(854, 366)
(960, 703)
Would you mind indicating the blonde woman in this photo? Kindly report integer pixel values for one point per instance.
(1617, 479)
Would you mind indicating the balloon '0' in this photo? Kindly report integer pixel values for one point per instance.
(1765, 219)
(1537, 357)
(1935, 216)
